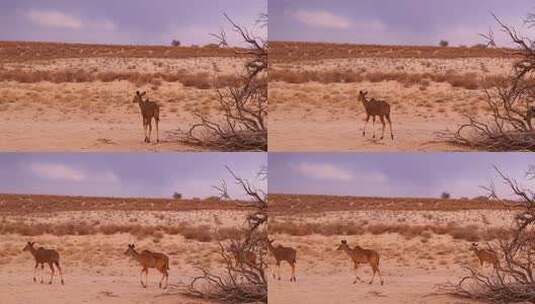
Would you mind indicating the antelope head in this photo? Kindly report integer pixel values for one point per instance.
(138, 97)
(474, 247)
(343, 245)
(131, 251)
(29, 246)
(362, 96)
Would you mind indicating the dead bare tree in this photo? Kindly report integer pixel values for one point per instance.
(221, 38)
(510, 126)
(243, 279)
(243, 126)
(514, 280)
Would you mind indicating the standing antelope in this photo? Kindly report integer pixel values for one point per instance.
(44, 256)
(486, 256)
(281, 253)
(374, 107)
(360, 255)
(149, 109)
(148, 259)
(242, 256)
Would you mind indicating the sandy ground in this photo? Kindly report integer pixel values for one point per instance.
(100, 116)
(412, 268)
(328, 117)
(95, 267)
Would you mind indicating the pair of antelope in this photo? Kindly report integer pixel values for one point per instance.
(147, 259)
(357, 254)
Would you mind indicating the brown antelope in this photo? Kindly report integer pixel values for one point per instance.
(281, 253)
(148, 259)
(360, 255)
(44, 256)
(488, 256)
(149, 109)
(241, 257)
(373, 108)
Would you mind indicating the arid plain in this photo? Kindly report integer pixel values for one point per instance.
(314, 89)
(92, 236)
(422, 243)
(75, 97)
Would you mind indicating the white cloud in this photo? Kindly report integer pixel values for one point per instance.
(62, 172)
(322, 19)
(57, 172)
(324, 172)
(52, 18)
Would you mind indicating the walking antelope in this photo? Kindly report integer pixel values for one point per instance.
(149, 109)
(44, 256)
(486, 256)
(360, 255)
(373, 108)
(281, 253)
(148, 259)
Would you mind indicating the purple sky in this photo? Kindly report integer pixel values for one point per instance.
(399, 22)
(131, 174)
(393, 174)
(125, 21)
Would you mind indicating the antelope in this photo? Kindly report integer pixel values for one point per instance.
(486, 256)
(281, 253)
(241, 257)
(148, 259)
(360, 255)
(44, 256)
(149, 109)
(373, 108)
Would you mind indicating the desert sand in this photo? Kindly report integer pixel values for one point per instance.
(92, 241)
(428, 93)
(414, 259)
(79, 98)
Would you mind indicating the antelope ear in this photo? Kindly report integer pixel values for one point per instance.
(137, 92)
(143, 94)
(344, 242)
(365, 92)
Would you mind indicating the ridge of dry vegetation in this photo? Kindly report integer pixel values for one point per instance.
(25, 204)
(471, 233)
(301, 203)
(469, 81)
(20, 51)
(201, 80)
(290, 51)
(201, 233)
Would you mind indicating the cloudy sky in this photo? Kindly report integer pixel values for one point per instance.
(125, 22)
(125, 175)
(394, 174)
(399, 22)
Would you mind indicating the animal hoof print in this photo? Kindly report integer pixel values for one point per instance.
(62, 283)
(34, 280)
